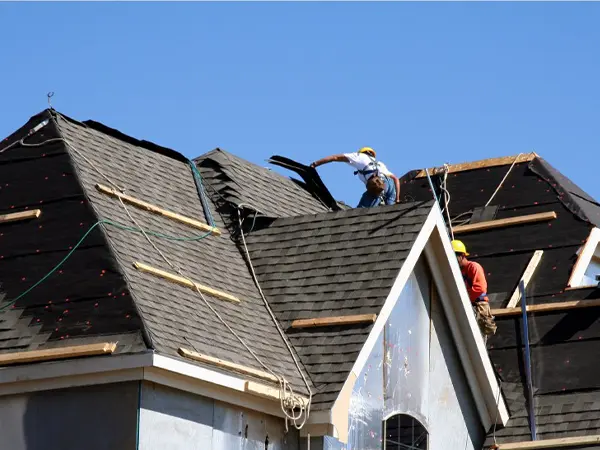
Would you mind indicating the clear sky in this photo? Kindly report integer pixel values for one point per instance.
(422, 83)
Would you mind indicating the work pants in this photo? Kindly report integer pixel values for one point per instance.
(389, 195)
(484, 317)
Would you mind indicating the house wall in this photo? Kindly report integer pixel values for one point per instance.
(105, 417)
(101, 417)
(181, 421)
(414, 369)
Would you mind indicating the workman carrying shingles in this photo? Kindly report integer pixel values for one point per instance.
(474, 277)
(381, 184)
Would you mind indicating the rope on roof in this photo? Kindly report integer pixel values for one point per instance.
(290, 406)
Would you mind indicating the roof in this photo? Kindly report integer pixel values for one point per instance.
(43, 177)
(98, 294)
(563, 372)
(171, 316)
(235, 180)
(333, 264)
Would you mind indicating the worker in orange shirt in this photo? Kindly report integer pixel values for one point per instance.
(474, 277)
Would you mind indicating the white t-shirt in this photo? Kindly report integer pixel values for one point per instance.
(361, 161)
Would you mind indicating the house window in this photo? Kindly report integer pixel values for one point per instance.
(587, 266)
(403, 432)
(593, 269)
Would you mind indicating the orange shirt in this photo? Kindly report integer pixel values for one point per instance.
(474, 277)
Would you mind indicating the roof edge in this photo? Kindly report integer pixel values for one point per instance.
(148, 366)
(480, 164)
(469, 342)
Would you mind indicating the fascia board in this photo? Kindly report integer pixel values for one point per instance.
(147, 366)
(464, 328)
(583, 261)
(71, 373)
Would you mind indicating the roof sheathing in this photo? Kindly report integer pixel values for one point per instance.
(334, 264)
(561, 342)
(86, 298)
(176, 316)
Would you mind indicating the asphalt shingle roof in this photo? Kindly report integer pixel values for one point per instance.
(240, 182)
(333, 264)
(176, 316)
(310, 262)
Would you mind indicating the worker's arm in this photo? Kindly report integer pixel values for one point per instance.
(328, 159)
(397, 183)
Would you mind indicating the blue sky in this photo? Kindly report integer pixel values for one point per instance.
(422, 83)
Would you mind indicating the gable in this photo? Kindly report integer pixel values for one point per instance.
(407, 298)
(414, 370)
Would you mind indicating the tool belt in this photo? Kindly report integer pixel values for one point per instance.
(482, 298)
(375, 185)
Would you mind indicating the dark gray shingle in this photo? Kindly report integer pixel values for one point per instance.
(333, 264)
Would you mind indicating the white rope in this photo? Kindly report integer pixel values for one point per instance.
(276, 322)
(289, 401)
(503, 179)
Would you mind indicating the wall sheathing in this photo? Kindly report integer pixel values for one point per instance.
(180, 421)
(101, 417)
(414, 369)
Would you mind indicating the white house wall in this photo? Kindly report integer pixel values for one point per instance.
(406, 343)
(177, 420)
(453, 417)
(365, 413)
(414, 369)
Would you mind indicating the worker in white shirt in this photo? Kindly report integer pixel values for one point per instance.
(381, 184)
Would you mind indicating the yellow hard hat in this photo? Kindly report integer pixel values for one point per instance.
(368, 150)
(459, 247)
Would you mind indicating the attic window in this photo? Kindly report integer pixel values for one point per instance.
(587, 267)
(403, 432)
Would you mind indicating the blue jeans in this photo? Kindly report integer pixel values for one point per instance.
(389, 195)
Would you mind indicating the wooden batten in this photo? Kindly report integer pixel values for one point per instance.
(21, 215)
(270, 393)
(501, 223)
(566, 442)
(333, 321)
(547, 307)
(157, 210)
(228, 365)
(481, 164)
(185, 282)
(75, 351)
(533, 263)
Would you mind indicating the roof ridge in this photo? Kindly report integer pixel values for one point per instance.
(119, 135)
(481, 164)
